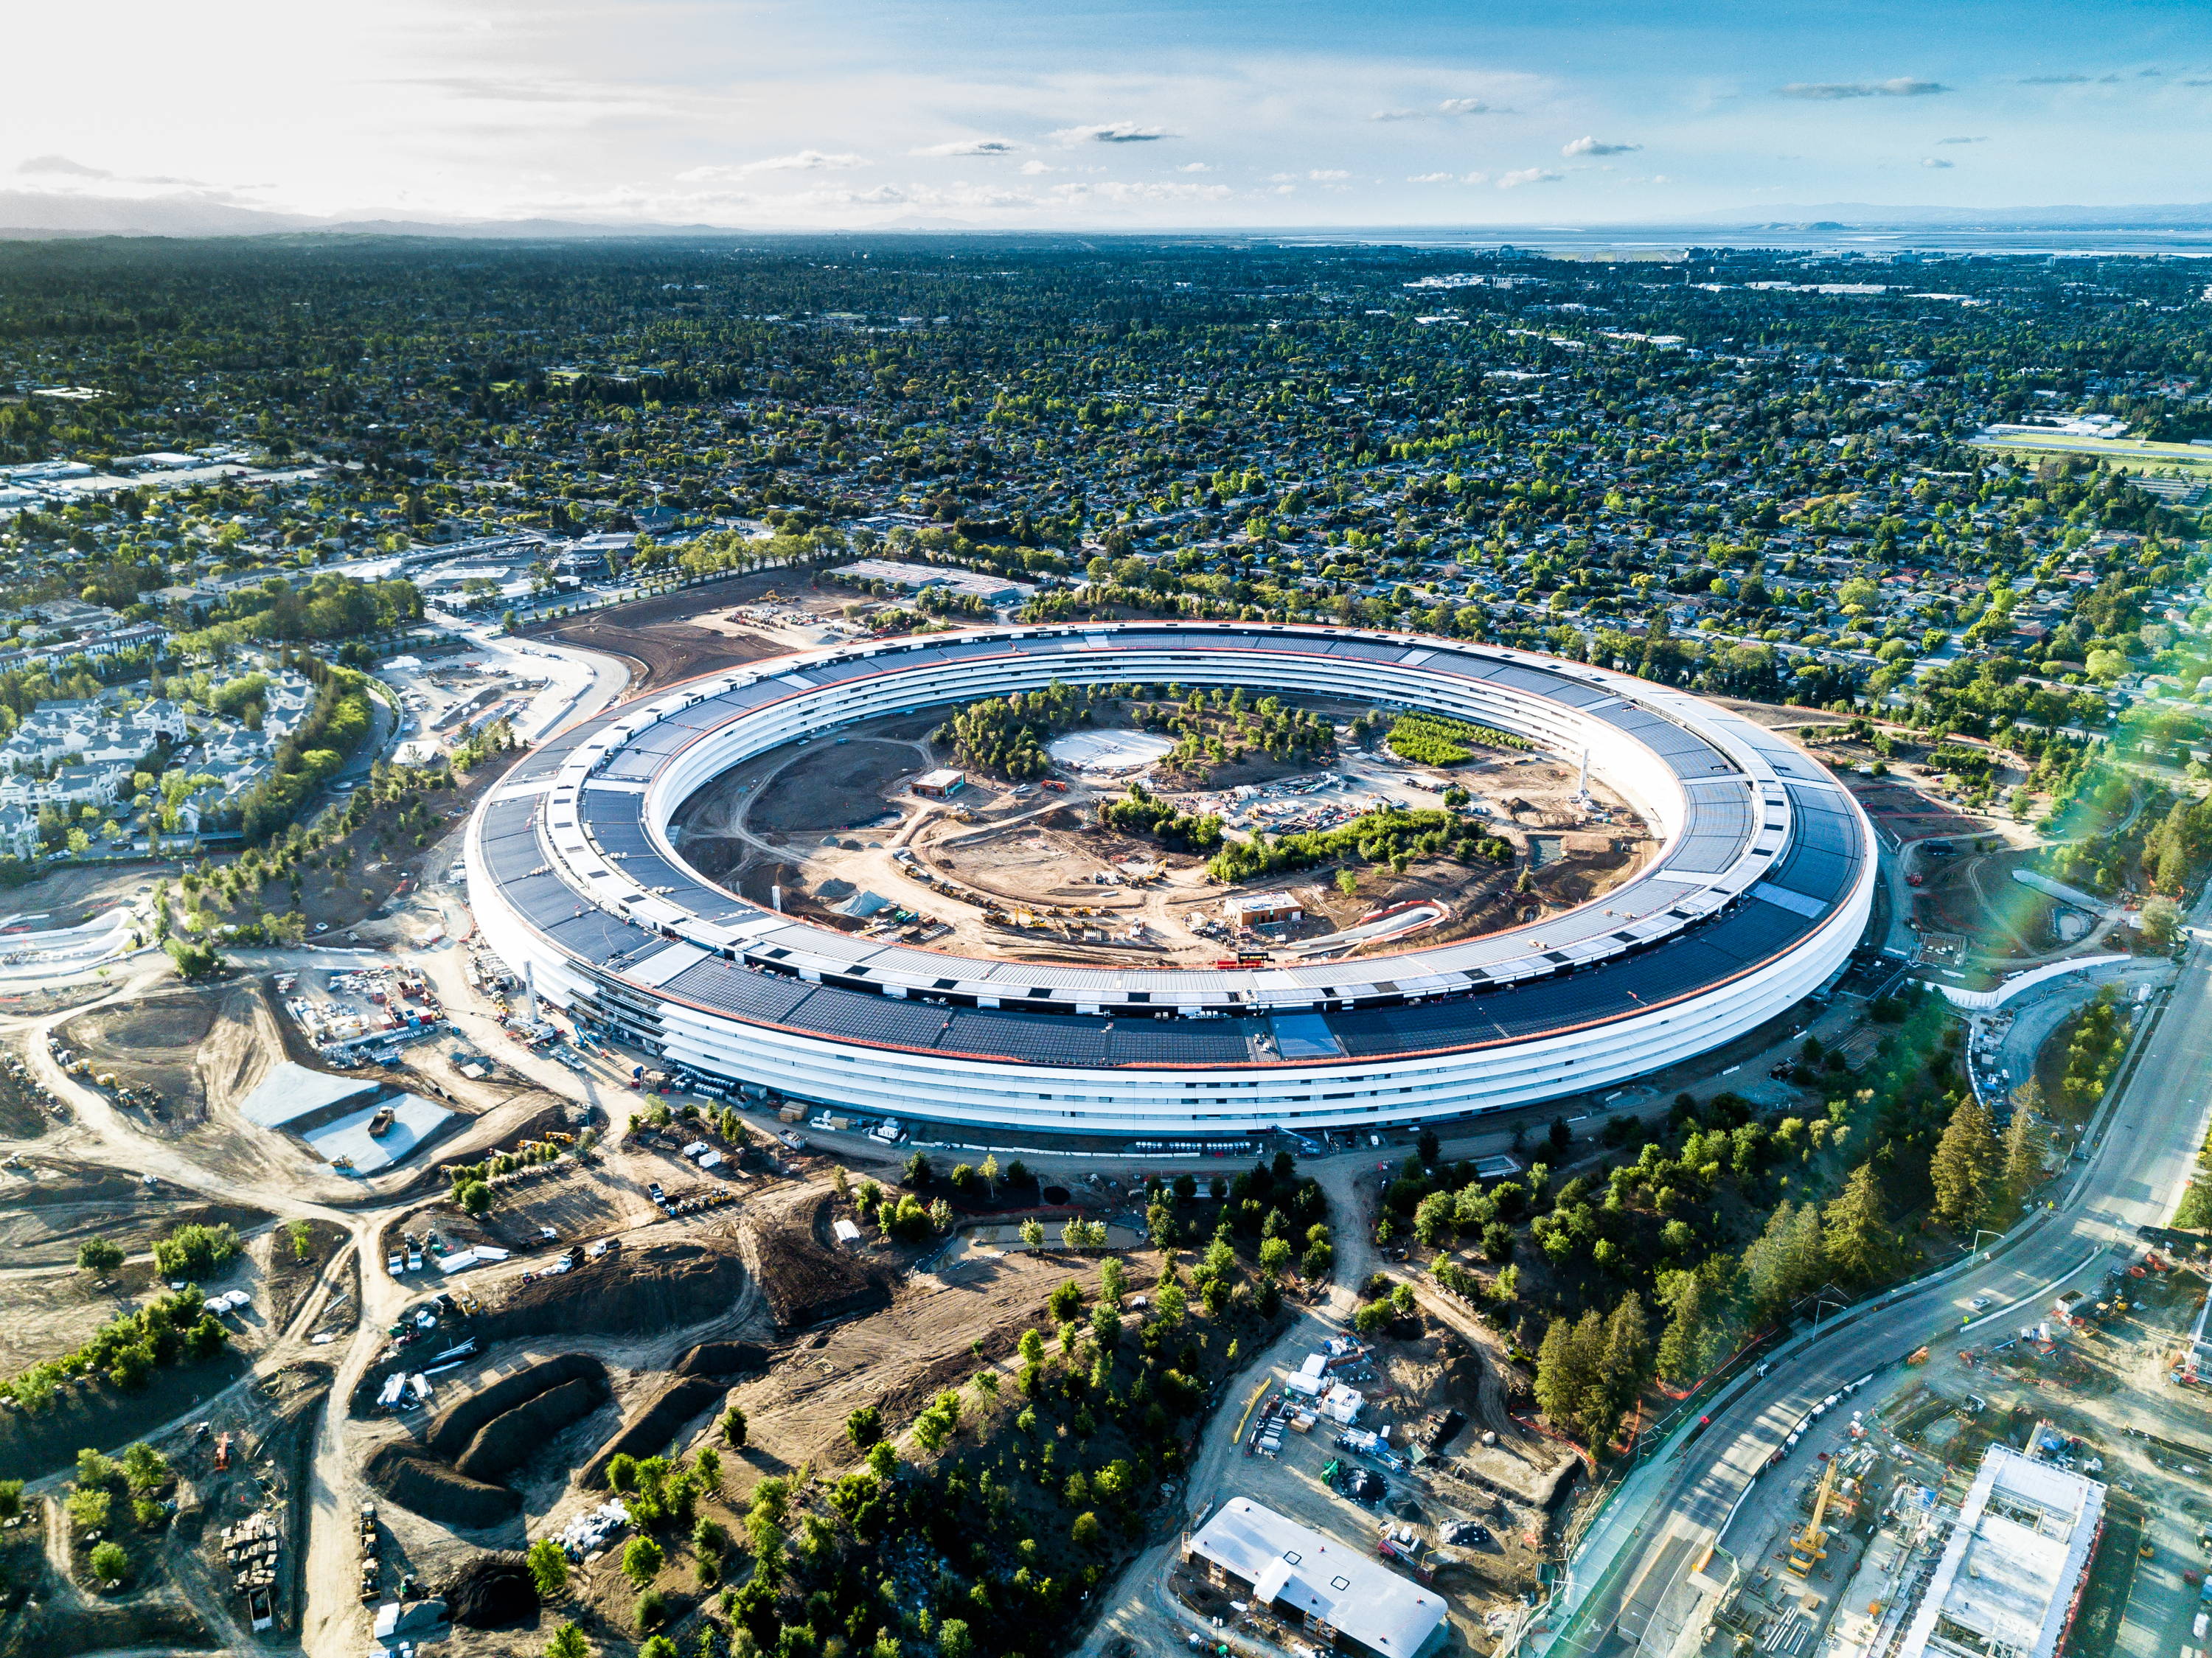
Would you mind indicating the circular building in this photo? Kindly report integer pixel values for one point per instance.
(1760, 887)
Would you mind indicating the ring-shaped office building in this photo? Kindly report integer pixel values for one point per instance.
(1758, 894)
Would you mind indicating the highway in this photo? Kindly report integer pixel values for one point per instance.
(1635, 1587)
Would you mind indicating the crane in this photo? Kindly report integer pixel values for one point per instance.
(1810, 1546)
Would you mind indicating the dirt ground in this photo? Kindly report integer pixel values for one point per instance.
(191, 1045)
(658, 637)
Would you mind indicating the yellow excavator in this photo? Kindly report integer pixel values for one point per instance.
(1809, 1546)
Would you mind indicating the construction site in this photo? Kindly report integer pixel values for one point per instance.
(874, 832)
(2033, 1491)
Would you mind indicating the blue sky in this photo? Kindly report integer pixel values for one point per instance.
(861, 112)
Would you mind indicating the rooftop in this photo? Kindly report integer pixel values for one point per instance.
(1324, 1579)
(2007, 1583)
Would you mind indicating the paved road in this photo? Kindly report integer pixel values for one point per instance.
(1631, 1589)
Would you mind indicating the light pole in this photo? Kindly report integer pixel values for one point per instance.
(1981, 1232)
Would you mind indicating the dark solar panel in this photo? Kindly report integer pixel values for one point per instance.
(1177, 1042)
(1753, 932)
(595, 936)
(1033, 1038)
(512, 857)
(865, 1017)
(766, 996)
(541, 900)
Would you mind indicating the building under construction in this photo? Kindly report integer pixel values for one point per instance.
(2010, 1576)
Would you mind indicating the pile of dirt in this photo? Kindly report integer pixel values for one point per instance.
(509, 1440)
(804, 1280)
(493, 1591)
(650, 1432)
(408, 1475)
(452, 1429)
(721, 1358)
(659, 1287)
(451, 1475)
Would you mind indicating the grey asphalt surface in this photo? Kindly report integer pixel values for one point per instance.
(2135, 1163)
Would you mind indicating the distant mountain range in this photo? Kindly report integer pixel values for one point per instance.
(28, 215)
(1867, 215)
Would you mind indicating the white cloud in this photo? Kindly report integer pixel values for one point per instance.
(1328, 175)
(1962, 141)
(1822, 91)
(1933, 161)
(1034, 166)
(1396, 115)
(1527, 175)
(805, 161)
(1466, 106)
(1588, 146)
(1195, 166)
(63, 166)
(1431, 177)
(970, 147)
(1109, 132)
(1144, 191)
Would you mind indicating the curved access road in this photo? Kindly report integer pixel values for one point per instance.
(1636, 1586)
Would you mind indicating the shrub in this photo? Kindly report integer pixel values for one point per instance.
(549, 1567)
(733, 1427)
(864, 1427)
(194, 1251)
(99, 1255)
(109, 1562)
(641, 1558)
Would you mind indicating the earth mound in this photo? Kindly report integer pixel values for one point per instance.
(659, 1287)
(650, 1432)
(493, 1591)
(805, 1281)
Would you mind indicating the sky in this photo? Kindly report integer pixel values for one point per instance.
(1258, 113)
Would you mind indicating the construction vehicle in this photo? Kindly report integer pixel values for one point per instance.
(1809, 1546)
(221, 1452)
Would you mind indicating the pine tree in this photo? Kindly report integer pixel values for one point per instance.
(2025, 1143)
(1965, 1167)
(1859, 1243)
(1624, 1365)
(1682, 1295)
(1786, 1259)
(1568, 1386)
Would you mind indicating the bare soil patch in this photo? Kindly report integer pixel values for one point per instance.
(658, 637)
(191, 1047)
(840, 785)
(806, 1279)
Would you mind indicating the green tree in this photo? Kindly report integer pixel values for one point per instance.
(145, 1468)
(11, 1498)
(1788, 1259)
(1568, 1370)
(642, 1560)
(733, 1427)
(1624, 1365)
(2025, 1143)
(1964, 1169)
(1087, 1532)
(474, 1197)
(110, 1564)
(549, 1567)
(1861, 1246)
(864, 1427)
(99, 1255)
(568, 1642)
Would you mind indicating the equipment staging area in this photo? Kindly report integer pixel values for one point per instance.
(1761, 889)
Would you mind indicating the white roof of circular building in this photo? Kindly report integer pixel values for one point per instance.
(1761, 851)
